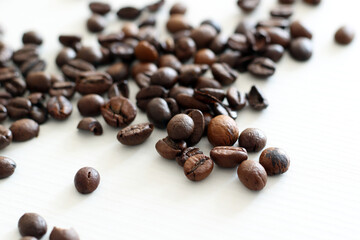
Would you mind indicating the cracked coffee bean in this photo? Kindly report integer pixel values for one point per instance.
(180, 127)
(7, 167)
(188, 152)
(228, 157)
(59, 107)
(63, 234)
(252, 175)
(170, 149)
(235, 99)
(198, 167)
(252, 139)
(90, 124)
(90, 105)
(256, 99)
(6, 137)
(18, 107)
(86, 180)
(275, 161)
(222, 131)
(118, 112)
(32, 224)
(135, 134)
(262, 67)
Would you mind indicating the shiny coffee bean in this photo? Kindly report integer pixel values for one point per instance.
(235, 99)
(135, 134)
(91, 55)
(205, 56)
(180, 127)
(286, 1)
(118, 71)
(119, 112)
(18, 107)
(169, 60)
(128, 13)
(6, 137)
(198, 167)
(7, 167)
(189, 102)
(256, 99)
(90, 105)
(100, 8)
(123, 51)
(275, 161)
(5, 54)
(90, 124)
(199, 127)
(26, 52)
(32, 65)
(59, 107)
(222, 131)
(158, 112)
(119, 89)
(32, 37)
(66, 89)
(165, 77)
(32, 224)
(203, 35)
(301, 49)
(218, 44)
(73, 68)
(140, 67)
(96, 23)
(274, 22)
(145, 95)
(238, 42)
(185, 48)
(228, 157)
(223, 73)
(15, 86)
(38, 82)
(93, 82)
(262, 67)
(274, 52)
(176, 23)
(312, 2)
(189, 73)
(87, 180)
(147, 21)
(252, 175)
(188, 152)
(39, 114)
(252, 139)
(64, 234)
(278, 36)
(70, 40)
(248, 5)
(170, 149)
(297, 29)
(344, 35)
(146, 52)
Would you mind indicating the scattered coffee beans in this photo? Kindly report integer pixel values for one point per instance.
(252, 175)
(64, 234)
(275, 161)
(252, 139)
(24, 130)
(32, 224)
(222, 131)
(135, 134)
(344, 35)
(7, 167)
(90, 124)
(86, 180)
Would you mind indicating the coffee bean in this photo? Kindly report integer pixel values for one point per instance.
(119, 89)
(235, 99)
(222, 131)
(26, 52)
(248, 5)
(230, 58)
(170, 149)
(252, 175)
(96, 23)
(187, 153)
(39, 114)
(118, 71)
(180, 34)
(262, 67)
(176, 90)
(218, 44)
(215, 92)
(275, 161)
(146, 52)
(7, 166)
(5, 137)
(274, 52)
(199, 127)
(70, 40)
(64, 56)
(205, 56)
(169, 60)
(178, 8)
(185, 48)
(180, 127)
(93, 82)
(205, 97)
(100, 8)
(165, 77)
(242, 63)
(90, 105)
(312, 2)
(32, 224)
(223, 73)
(148, 33)
(206, 82)
(5, 97)
(198, 167)
(140, 67)
(256, 99)
(158, 112)
(228, 157)
(128, 13)
(142, 80)
(297, 29)
(186, 102)
(168, 46)
(278, 36)
(176, 23)
(106, 40)
(344, 35)
(123, 50)
(32, 37)
(252, 139)
(86, 180)
(219, 108)
(282, 12)
(7, 73)
(203, 35)
(154, 7)
(74, 67)
(238, 42)
(258, 40)
(16, 86)
(66, 89)
(5, 54)
(18, 107)
(212, 23)
(135, 134)
(59, 107)
(64, 234)
(274, 22)
(90, 124)
(32, 65)
(145, 95)
(90, 54)
(301, 49)
(190, 73)
(118, 112)
(38, 82)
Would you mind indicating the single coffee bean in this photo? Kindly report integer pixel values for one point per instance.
(186, 102)
(256, 99)
(26, 52)
(145, 95)
(223, 73)
(118, 112)
(140, 67)
(222, 131)
(165, 77)
(297, 29)
(278, 36)
(32, 38)
(344, 35)
(205, 97)
(3, 113)
(206, 82)
(118, 71)
(199, 127)
(190, 73)
(203, 35)
(262, 67)
(275, 161)
(5, 137)
(282, 12)
(207, 119)
(64, 56)
(205, 56)
(188, 152)
(119, 89)
(100, 8)
(180, 127)
(215, 92)
(7, 167)
(90, 54)
(235, 99)
(128, 13)
(170, 149)
(252, 175)
(33, 64)
(176, 23)
(158, 112)
(90, 105)
(176, 90)
(198, 167)
(38, 82)
(5, 97)
(106, 40)
(312, 2)
(154, 7)
(96, 23)
(135, 134)
(228, 157)
(32, 224)
(169, 60)
(301, 49)
(87, 180)
(39, 114)
(123, 50)
(16, 86)
(7, 73)
(59, 107)
(18, 107)
(274, 52)
(93, 82)
(238, 42)
(252, 139)
(146, 52)
(66, 89)
(248, 5)
(90, 124)
(218, 44)
(64, 234)
(178, 8)
(185, 48)
(73, 68)
(230, 58)
(70, 40)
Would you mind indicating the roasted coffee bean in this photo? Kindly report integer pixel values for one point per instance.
(243, 62)
(218, 44)
(301, 49)
(96, 23)
(252, 175)
(178, 8)
(154, 7)
(119, 89)
(187, 153)
(24, 130)
(176, 23)
(64, 56)
(123, 50)
(205, 56)
(170, 149)
(87, 180)
(32, 37)
(5, 54)
(174, 91)
(74, 67)
(286, 1)
(143, 79)
(235, 99)
(274, 22)
(118, 112)
(186, 102)
(198, 167)
(90, 124)
(228, 157)
(39, 114)
(206, 82)
(148, 33)
(146, 52)
(118, 71)
(244, 26)
(3, 113)
(344, 35)
(128, 13)
(32, 65)
(297, 29)
(18, 107)
(185, 48)
(212, 23)
(5, 97)
(248, 5)
(59, 107)
(190, 73)
(38, 82)
(230, 58)
(180, 34)
(169, 60)
(8, 73)
(312, 2)
(64, 234)
(282, 12)
(135, 134)
(222, 131)
(32, 224)
(223, 73)
(93, 82)
(275, 161)
(106, 40)
(70, 40)
(199, 127)
(219, 108)
(256, 99)
(16, 86)
(258, 40)
(215, 92)
(274, 52)
(140, 67)
(100, 8)
(180, 127)
(90, 105)
(238, 42)
(90, 54)
(165, 77)
(252, 139)
(173, 106)
(36, 98)
(7, 167)
(145, 95)
(158, 112)
(278, 36)
(66, 89)
(262, 67)
(5, 137)
(26, 52)
(203, 35)
(205, 97)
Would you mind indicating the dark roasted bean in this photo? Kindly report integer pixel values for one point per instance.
(118, 71)
(91, 55)
(122, 50)
(90, 105)
(344, 35)
(18, 107)
(26, 52)
(38, 82)
(5, 137)
(143, 79)
(189, 73)
(215, 92)
(205, 56)
(278, 36)
(301, 49)
(70, 40)
(158, 112)
(74, 67)
(169, 60)
(262, 67)
(8, 73)
(118, 112)
(230, 58)
(256, 99)
(203, 35)
(5, 97)
(90, 124)
(185, 48)
(145, 95)
(135, 134)
(64, 56)
(140, 67)
(32, 224)
(248, 5)
(63, 234)
(170, 149)
(59, 107)
(106, 40)
(199, 127)
(100, 8)
(218, 44)
(312, 2)
(32, 37)
(297, 29)
(93, 82)
(32, 65)
(128, 13)
(154, 7)
(252, 139)
(274, 22)
(212, 23)
(223, 73)
(16, 86)
(235, 99)
(7, 167)
(176, 23)
(180, 127)
(186, 101)
(24, 130)
(86, 180)
(238, 42)
(66, 89)
(174, 91)
(228, 157)
(198, 167)
(188, 152)
(39, 114)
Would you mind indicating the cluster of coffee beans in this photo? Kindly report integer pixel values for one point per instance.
(32, 226)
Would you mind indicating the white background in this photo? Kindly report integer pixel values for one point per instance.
(313, 115)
